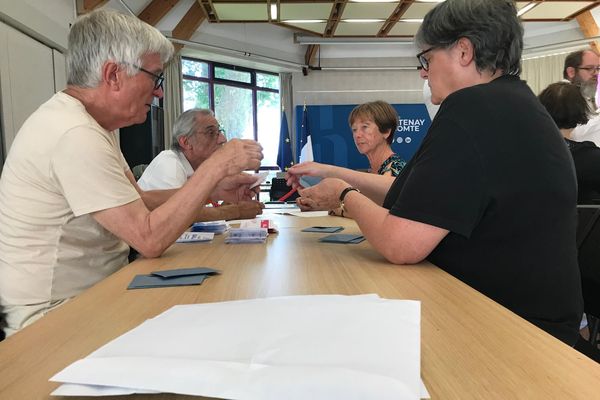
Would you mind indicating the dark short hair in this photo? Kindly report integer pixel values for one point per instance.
(565, 104)
(492, 26)
(380, 112)
(573, 60)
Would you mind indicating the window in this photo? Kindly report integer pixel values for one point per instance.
(246, 102)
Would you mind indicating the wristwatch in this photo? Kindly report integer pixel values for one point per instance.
(343, 195)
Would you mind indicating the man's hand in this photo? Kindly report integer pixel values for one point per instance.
(236, 188)
(324, 196)
(249, 209)
(236, 156)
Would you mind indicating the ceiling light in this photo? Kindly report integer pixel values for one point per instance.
(307, 39)
(273, 11)
(526, 8)
(363, 20)
(304, 21)
(419, 20)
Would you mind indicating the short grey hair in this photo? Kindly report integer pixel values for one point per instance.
(107, 35)
(492, 26)
(185, 125)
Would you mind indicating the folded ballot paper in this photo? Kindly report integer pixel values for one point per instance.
(301, 347)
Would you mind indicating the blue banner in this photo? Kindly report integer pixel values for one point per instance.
(331, 136)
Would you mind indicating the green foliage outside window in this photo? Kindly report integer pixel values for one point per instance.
(234, 105)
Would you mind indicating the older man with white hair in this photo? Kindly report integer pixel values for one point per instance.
(69, 206)
(196, 136)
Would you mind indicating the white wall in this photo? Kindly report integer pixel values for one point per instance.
(45, 20)
(359, 86)
(33, 36)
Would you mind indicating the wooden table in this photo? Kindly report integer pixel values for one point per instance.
(472, 348)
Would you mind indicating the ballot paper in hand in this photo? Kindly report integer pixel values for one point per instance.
(301, 347)
(260, 178)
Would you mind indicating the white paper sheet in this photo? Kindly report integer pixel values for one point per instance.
(308, 214)
(317, 347)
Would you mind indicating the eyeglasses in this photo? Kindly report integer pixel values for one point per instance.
(158, 79)
(590, 69)
(422, 60)
(213, 131)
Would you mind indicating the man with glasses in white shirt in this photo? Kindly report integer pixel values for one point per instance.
(69, 205)
(196, 136)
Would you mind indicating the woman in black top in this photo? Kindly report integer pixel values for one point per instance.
(568, 108)
(491, 194)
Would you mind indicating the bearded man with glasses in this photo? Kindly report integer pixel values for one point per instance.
(581, 69)
(69, 205)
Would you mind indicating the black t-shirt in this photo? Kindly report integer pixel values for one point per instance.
(586, 156)
(495, 172)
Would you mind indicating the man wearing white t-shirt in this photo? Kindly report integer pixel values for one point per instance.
(69, 206)
(196, 136)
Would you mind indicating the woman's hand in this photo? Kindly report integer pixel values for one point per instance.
(324, 196)
(310, 168)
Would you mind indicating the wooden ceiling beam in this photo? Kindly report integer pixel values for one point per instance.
(156, 10)
(589, 28)
(209, 11)
(337, 9)
(311, 52)
(188, 24)
(394, 18)
(85, 6)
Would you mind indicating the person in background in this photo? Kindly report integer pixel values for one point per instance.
(499, 217)
(568, 108)
(581, 69)
(69, 205)
(373, 126)
(196, 136)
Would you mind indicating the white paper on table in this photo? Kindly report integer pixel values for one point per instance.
(192, 237)
(308, 213)
(317, 347)
(73, 389)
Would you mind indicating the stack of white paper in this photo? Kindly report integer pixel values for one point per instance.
(302, 347)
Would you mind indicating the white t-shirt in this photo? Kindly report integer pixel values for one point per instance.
(169, 170)
(588, 132)
(61, 167)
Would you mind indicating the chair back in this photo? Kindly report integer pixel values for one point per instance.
(138, 170)
(588, 245)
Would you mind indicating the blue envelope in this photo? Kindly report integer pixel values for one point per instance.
(323, 229)
(342, 238)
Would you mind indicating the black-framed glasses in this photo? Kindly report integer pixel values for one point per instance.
(422, 60)
(158, 79)
(590, 69)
